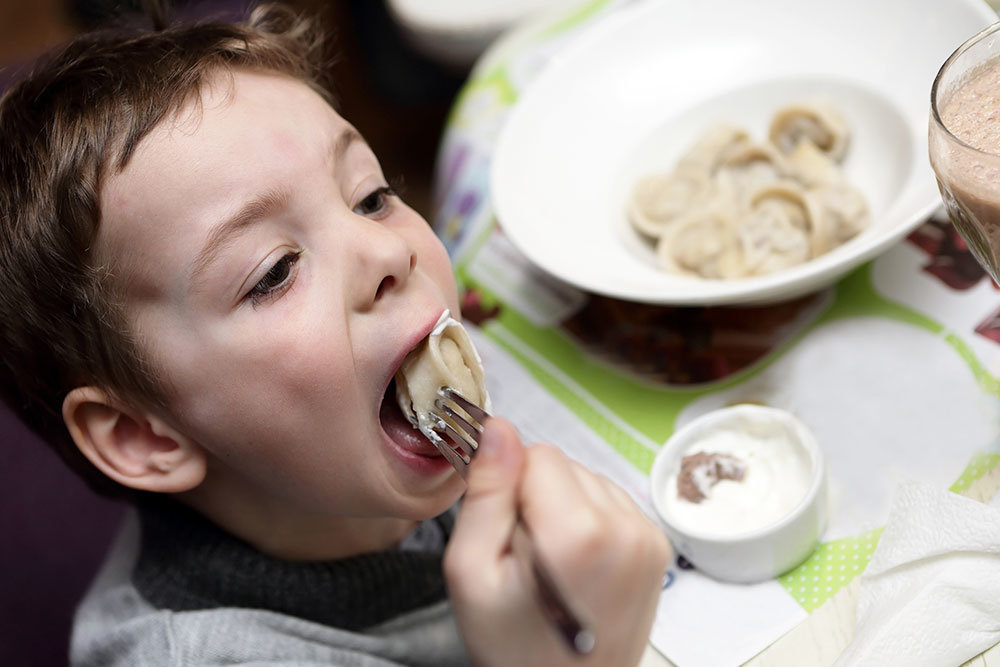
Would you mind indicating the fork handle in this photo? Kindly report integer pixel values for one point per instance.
(578, 638)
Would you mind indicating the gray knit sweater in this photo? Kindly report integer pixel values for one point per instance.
(175, 590)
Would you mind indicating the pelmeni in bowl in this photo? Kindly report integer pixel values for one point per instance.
(627, 96)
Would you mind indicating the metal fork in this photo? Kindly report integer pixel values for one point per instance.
(462, 422)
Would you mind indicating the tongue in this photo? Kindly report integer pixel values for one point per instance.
(400, 430)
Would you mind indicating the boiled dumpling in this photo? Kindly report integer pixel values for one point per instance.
(446, 358)
(844, 209)
(712, 148)
(778, 232)
(658, 200)
(812, 166)
(817, 122)
(702, 244)
(748, 168)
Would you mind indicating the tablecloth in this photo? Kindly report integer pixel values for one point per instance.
(896, 368)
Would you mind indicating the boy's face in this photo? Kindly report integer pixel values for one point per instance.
(277, 286)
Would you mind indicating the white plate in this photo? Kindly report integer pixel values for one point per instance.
(628, 96)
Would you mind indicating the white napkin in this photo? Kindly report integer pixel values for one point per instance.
(931, 593)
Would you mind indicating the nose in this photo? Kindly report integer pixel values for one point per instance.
(384, 262)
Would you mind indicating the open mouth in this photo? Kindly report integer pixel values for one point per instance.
(399, 429)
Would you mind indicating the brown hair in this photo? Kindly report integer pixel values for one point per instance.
(78, 117)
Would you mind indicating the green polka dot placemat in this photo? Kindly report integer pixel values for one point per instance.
(834, 564)
(980, 464)
(831, 567)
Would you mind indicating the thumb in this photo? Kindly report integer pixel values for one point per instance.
(489, 508)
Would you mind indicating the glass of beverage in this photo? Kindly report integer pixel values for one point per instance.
(964, 143)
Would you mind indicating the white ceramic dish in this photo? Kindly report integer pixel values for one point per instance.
(629, 95)
(455, 32)
(753, 555)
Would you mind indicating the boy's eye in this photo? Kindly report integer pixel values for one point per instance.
(276, 280)
(376, 202)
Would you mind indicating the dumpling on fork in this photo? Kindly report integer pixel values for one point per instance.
(446, 358)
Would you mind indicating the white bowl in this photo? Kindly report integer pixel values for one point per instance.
(629, 95)
(456, 32)
(753, 555)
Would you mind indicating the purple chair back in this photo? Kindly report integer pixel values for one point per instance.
(55, 531)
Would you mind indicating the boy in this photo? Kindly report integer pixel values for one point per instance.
(208, 289)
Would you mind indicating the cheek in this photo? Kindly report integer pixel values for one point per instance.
(282, 423)
(259, 384)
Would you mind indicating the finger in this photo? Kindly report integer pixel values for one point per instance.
(596, 545)
(550, 486)
(628, 515)
(621, 514)
(604, 493)
(621, 498)
(558, 511)
(490, 506)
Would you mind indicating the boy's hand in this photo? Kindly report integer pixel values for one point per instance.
(607, 558)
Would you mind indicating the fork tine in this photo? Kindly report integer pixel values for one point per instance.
(455, 411)
(473, 410)
(457, 460)
(467, 441)
(460, 420)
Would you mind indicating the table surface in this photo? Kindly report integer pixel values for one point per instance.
(828, 630)
(576, 345)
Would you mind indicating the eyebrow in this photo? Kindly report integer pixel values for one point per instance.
(259, 208)
(344, 141)
(251, 213)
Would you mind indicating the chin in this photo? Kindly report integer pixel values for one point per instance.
(437, 503)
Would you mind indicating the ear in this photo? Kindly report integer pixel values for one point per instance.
(135, 448)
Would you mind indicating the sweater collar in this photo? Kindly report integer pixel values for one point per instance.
(187, 563)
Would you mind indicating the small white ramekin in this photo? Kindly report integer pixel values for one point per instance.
(758, 554)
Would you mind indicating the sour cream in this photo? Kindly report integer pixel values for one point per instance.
(776, 477)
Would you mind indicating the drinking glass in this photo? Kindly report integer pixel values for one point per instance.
(969, 178)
